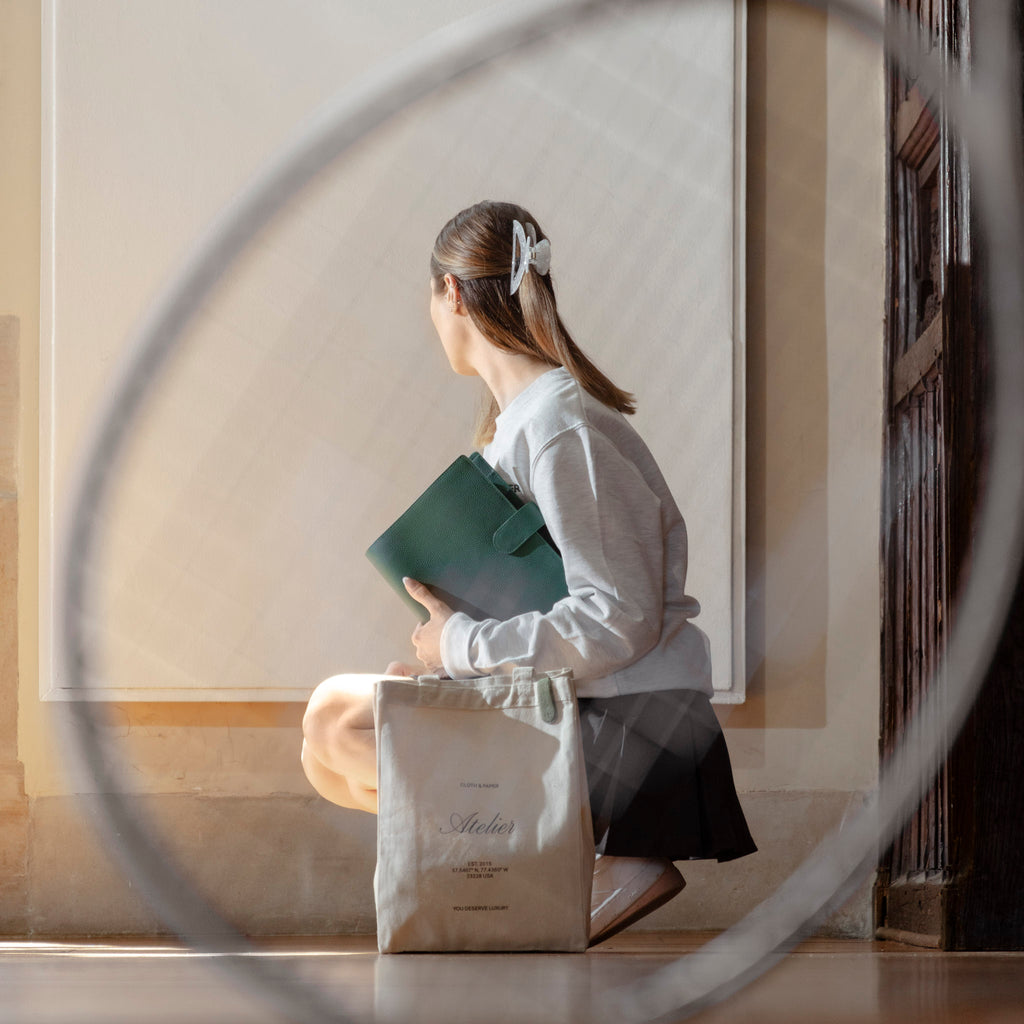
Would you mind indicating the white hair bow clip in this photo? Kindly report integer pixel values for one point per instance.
(527, 252)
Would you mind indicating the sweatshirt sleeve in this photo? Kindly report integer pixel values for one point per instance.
(607, 525)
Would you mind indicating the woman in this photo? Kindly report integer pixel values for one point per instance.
(661, 786)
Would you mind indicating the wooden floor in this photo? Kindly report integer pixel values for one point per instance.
(846, 982)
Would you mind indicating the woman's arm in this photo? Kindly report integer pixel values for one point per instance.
(607, 524)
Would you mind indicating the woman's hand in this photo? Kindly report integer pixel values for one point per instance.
(426, 637)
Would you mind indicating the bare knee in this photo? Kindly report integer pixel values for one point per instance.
(338, 706)
(334, 787)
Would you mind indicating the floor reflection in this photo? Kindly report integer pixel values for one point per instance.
(824, 982)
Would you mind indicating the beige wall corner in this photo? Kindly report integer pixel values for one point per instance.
(20, 174)
(8, 540)
(14, 819)
(9, 407)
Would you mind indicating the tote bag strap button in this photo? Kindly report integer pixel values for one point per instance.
(542, 688)
(545, 699)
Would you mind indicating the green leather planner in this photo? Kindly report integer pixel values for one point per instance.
(477, 546)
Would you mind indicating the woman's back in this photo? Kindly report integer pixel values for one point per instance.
(625, 627)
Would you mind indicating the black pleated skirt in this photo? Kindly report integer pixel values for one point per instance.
(660, 778)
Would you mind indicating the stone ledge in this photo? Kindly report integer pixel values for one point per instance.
(275, 865)
(293, 865)
(14, 830)
(787, 826)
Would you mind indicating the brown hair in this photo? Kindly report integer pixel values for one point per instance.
(475, 247)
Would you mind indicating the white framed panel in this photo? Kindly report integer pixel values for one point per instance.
(310, 401)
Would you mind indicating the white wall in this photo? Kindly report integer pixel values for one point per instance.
(311, 402)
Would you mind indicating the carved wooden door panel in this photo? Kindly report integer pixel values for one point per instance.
(954, 876)
(928, 251)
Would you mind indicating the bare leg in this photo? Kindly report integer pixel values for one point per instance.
(339, 748)
(334, 787)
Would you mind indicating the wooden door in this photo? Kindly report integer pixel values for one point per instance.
(951, 877)
(914, 873)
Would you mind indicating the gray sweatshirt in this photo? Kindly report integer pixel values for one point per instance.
(625, 626)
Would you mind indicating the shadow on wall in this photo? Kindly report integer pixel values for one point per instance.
(787, 377)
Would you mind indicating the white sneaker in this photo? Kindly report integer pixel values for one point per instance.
(627, 889)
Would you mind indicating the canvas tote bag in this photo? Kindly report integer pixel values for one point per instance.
(484, 838)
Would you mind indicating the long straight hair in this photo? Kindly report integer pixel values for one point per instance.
(475, 247)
